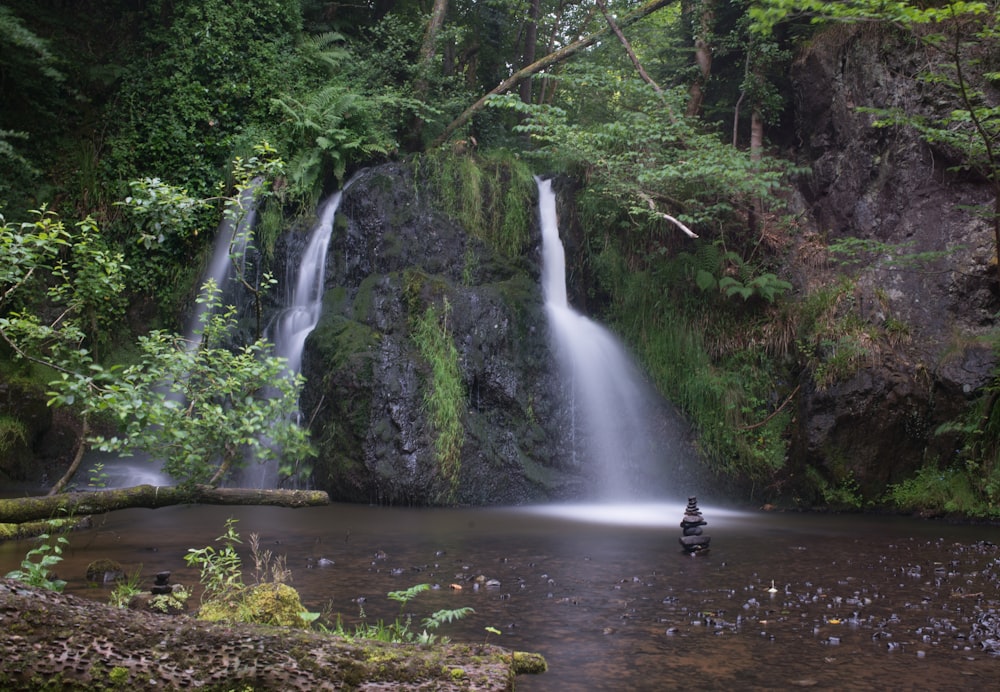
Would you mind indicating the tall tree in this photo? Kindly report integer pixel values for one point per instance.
(530, 46)
(700, 16)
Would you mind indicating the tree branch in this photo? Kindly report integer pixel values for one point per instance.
(539, 65)
(668, 217)
(628, 48)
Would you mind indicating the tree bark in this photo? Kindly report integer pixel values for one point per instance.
(72, 643)
(702, 54)
(78, 452)
(530, 43)
(547, 61)
(22, 509)
(434, 25)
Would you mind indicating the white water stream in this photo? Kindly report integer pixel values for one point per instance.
(305, 304)
(612, 437)
(291, 327)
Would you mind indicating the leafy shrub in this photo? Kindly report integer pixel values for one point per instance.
(36, 567)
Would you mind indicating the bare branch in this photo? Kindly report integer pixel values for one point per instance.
(668, 217)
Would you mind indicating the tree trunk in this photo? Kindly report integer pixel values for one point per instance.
(22, 509)
(549, 60)
(73, 643)
(530, 42)
(78, 452)
(434, 25)
(702, 24)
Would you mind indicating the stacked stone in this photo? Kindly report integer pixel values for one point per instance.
(692, 540)
(161, 584)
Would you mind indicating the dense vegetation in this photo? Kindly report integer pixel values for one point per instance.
(131, 113)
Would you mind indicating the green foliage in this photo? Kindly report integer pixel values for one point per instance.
(220, 569)
(645, 155)
(864, 252)
(204, 408)
(328, 130)
(491, 194)
(832, 339)
(13, 431)
(731, 401)
(844, 494)
(32, 85)
(166, 220)
(227, 598)
(445, 395)
(934, 490)
(159, 209)
(717, 269)
(36, 567)
(126, 589)
(199, 76)
(401, 629)
(73, 274)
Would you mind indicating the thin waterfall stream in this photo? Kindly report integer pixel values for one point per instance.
(611, 406)
(305, 302)
(294, 323)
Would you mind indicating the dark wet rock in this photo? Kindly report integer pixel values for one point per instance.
(875, 426)
(392, 257)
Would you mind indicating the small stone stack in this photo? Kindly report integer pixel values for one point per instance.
(693, 541)
(161, 584)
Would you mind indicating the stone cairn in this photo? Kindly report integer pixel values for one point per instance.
(692, 540)
(161, 584)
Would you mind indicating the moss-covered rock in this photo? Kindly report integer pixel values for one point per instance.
(393, 256)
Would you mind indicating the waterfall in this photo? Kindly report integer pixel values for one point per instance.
(305, 302)
(289, 329)
(615, 437)
(230, 245)
(231, 241)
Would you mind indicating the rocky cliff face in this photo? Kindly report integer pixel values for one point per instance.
(391, 257)
(886, 185)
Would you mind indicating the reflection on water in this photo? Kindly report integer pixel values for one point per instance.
(609, 598)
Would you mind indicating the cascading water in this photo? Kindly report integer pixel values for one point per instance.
(230, 246)
(305, 303)
(615, 434)
(295, 322)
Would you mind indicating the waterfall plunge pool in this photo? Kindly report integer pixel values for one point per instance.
(608, 597)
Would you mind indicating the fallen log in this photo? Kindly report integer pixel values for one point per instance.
(54, 641)
(22, 509)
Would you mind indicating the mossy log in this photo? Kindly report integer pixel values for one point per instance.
(23, 509)
(30, 529)
(51, 641)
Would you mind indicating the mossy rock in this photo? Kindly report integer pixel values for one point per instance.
(104, 571)
(262, 604)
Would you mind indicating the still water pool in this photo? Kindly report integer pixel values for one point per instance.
(608, 597)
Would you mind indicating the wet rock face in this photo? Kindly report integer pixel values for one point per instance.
(887, 185)
(391, 257)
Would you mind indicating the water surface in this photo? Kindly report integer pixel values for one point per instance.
(605, 593)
